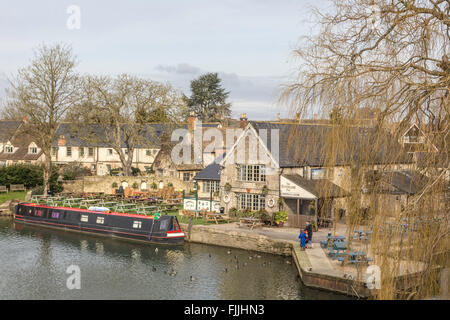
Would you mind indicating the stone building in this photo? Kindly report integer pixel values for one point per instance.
(275, 166)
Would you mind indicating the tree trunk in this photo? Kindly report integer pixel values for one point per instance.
(46, 175)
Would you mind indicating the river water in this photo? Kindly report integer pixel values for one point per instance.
(34, 263)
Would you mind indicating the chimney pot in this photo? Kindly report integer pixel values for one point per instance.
(244, 121)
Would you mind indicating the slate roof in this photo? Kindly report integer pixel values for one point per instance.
(321, 188)
(21, 141)
(403, 182)
(211, 172)
(153, 134)
(306, 144)
(7, 129)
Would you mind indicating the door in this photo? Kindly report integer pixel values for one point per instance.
(292, 208)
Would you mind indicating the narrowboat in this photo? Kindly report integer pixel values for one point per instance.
(153, 229)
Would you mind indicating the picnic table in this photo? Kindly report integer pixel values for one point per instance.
(69, 202)
(89, 202)
(250, 222)
(213, 216)
(355, 257)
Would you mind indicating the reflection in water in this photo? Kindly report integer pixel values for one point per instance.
(34, 263)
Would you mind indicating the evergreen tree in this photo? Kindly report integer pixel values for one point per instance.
(208, 98)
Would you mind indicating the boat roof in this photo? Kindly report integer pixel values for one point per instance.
(90, 211)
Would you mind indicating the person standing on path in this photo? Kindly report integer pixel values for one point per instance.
(302, 238)
(309, 231)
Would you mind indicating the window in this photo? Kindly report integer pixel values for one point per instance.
(100, 220)
(148, 153)
(55, 214)
(253, 202)
(211, 185)
(108, 167)
(137, 224)
(110, 151)
(9, 149)
(254, 173)
(38, 213)
(84, 218)
(81, 151)
(69, 151)
(91, 152)
(32, 150)
(186, 176)
(318, 173)
(54, 150)
(93, 167)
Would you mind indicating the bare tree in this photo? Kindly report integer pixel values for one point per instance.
(43, 93)
(117, 112)
(389, 56)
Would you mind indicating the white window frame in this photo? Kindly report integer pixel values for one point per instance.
(100, 220)
(9, 149)
(32, 150)
(137, 224)
(68, 151)
(84, 218)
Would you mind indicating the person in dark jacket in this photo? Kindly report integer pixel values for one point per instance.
(309, 231)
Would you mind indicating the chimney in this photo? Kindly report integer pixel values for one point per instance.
(61, 141)
(244, 121)
(192, 119)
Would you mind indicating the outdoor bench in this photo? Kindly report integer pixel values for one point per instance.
(3, 189)
(17, 187)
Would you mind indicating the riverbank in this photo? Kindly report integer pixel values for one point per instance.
(312, 265)
(315, 269)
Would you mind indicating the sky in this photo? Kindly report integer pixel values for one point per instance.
(248, 42)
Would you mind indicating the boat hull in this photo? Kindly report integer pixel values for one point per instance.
(132, 227)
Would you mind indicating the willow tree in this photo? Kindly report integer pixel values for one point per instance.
(43, 93)
(390, 56)
(116, 113)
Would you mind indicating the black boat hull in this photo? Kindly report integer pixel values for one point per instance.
(132, 227)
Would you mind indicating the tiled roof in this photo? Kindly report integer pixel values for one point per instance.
(211, 172)
(304, 144)
(7, 129)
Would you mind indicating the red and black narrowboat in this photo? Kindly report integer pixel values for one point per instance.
(165, 229)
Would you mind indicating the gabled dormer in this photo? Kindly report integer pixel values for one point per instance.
(414, 139)
(33, 148)
(9, 148)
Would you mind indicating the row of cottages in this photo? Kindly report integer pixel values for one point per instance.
(100, 158)
(16, 146)
(281, 166)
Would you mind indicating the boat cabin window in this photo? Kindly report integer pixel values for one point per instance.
(164, 224)
(100, 220)
(38, 212)
(84, 218)
(55, 214)
(137, 224)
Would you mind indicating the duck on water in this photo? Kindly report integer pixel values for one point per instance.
(164, 230)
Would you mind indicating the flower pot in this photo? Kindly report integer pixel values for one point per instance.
(280, 224)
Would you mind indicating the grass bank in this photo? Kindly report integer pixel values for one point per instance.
(20, 195)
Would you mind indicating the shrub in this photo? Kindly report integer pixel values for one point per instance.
(233, 212)
(74, 170)
(29, 175)
(115, 185)
(280, 216)
(154, 185)
(135, 185)
(135, 171)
